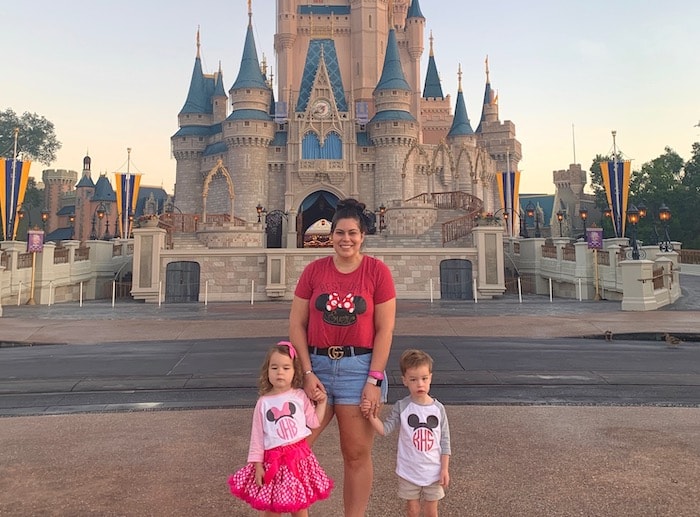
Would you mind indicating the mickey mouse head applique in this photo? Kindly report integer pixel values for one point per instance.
(423, 437)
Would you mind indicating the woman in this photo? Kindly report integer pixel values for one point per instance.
(341, 324)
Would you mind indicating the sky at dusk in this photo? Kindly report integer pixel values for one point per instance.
(114, 75)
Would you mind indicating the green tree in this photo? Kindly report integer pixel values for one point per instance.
(36, 137)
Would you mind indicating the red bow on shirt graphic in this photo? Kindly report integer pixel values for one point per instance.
(274, 414)
(336, 302)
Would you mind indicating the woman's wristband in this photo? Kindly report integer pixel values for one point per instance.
(307, 372)
(376, 375)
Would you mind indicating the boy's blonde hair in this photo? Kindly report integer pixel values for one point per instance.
(413, 358)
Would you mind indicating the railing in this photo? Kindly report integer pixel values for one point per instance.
(82, 254)
(658, 277)
(689, 257)
(569, 253)
(24, 260)
(549, 251)
(457, 228)
(60, 256)
(122, 289)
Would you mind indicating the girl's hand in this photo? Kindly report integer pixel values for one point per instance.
(259, 474)
(314, 388)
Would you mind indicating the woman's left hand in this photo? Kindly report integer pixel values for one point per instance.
(371, 400)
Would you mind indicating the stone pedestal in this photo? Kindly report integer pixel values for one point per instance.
(146, 282)
(490, 277)
(638, 285)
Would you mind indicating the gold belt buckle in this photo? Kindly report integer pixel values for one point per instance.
(335, 352)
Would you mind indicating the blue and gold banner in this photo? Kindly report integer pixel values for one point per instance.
(13, 185)
(616, 180)
(509, 194)
(127, 196)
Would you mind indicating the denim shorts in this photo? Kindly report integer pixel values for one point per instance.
(344, 378)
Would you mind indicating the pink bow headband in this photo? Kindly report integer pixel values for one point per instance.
(292, 350)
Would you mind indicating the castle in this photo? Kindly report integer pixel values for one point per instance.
(353, 116)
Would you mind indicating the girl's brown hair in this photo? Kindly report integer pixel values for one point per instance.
(264, 385)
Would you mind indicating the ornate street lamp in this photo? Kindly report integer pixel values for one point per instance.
(382, 223)
(560, 218)
(100, 212)
(633, 219)
(665, 217)
(260, 209)
(532, 212)
(44, 217)
(583, 214)
(71, 219)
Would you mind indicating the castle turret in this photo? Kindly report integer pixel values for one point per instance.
(489, 113)
(249, 129)
(393, 130)
(189, 143)
(219, 98)
(435, 107)
(284, 41)
(415, 30)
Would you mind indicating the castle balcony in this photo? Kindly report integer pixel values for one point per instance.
(312, 171)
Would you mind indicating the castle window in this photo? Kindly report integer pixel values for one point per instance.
(246, 123)
(311, 148)
(396, 124)
(365, 149)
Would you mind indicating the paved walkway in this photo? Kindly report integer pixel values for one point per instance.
(507, 461)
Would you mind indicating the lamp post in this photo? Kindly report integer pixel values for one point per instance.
(560, 218)
(532, 212)
(106, 236)
(169, 207)
(583, 214)
(633, 219)
(261, 210)
(382, 222)
(71, 219)
(665, 217)
(98, 214)
(523, 225)
(44, 217)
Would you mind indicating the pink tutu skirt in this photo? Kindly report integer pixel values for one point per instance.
(294, 480)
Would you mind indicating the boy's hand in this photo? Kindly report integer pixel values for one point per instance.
(445, 478)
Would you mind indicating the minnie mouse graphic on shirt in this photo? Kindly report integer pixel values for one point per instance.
(341, 310)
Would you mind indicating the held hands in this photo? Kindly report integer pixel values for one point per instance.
(370, 405)
(314, 388)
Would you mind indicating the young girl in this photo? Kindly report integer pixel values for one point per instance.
(282, 474)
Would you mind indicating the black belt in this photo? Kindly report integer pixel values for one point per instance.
(338, 352)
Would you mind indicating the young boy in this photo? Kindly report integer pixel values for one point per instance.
(423, 455)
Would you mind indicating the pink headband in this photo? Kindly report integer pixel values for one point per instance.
(292, 350)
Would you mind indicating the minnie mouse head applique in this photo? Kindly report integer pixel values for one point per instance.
(340, 310)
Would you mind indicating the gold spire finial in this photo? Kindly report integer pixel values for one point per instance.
(390, 14)
(198, 44)
(459, 78)
(487, 68)
(431, 42)
(250, 12)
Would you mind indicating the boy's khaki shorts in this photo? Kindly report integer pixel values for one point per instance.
(411, 492)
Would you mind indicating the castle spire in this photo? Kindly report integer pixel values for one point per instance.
(432, 87)
(249, 74)
(460, 122)
(197, 98)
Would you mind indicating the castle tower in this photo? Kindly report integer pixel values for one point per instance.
(84, 191)
(247, 133)
(435, 114)
(463, 141)
(57, 183)
(393, 130)
(415, 31)
(188, 144)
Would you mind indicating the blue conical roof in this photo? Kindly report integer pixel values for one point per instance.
(432, 88)
(392, 73)
(198, 101)
(104, 190)
(219, 90)
(249, 75)
(414, 11)
(460, 122)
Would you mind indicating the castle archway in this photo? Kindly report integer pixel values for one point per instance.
(317, 207)
(218, 169)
